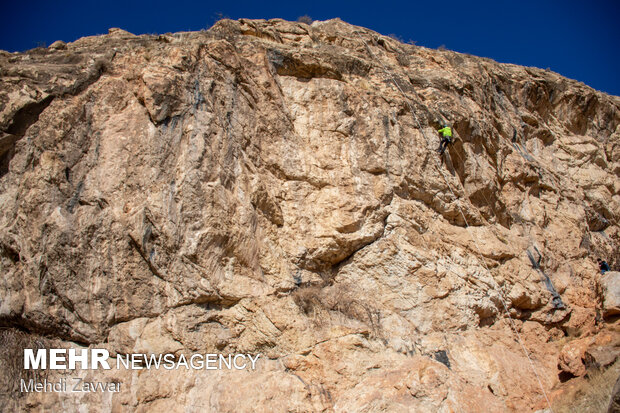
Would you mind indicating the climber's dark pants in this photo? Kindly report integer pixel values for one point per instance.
(443, 144)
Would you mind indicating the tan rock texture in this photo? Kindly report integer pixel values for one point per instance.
(610, 282)
(274, 187)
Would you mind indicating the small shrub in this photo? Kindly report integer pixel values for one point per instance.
(340, 297)
(220, 16)
(591, 394)
(101, 66)
(402, 59)
(317, 302)
(396, 37)
(308, 299)
(305, 19)
(12, 345)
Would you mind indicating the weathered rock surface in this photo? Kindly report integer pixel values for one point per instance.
(264, 187)
(610, 282)
(573, 356)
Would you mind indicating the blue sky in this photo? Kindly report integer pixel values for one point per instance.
(578, 39)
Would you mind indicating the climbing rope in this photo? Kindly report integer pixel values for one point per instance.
(474, 238)
(561, 180)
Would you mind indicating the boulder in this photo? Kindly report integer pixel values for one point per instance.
(610, 286)
(58, 45)
(573, 357)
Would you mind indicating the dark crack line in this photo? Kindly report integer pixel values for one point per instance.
(152, 268)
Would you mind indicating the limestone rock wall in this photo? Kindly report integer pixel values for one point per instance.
(265, 187)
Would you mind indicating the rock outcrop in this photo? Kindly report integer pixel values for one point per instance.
(273, 187)
(610, 282)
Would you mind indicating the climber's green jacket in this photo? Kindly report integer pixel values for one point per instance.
(447, 131)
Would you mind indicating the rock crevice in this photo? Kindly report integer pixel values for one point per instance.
(263, 186)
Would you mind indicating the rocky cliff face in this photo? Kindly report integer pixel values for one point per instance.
(273, 187)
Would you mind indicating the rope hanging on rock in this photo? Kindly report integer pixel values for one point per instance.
(474, 238)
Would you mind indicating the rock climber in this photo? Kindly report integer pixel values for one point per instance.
(604, 267)
(446, 138)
